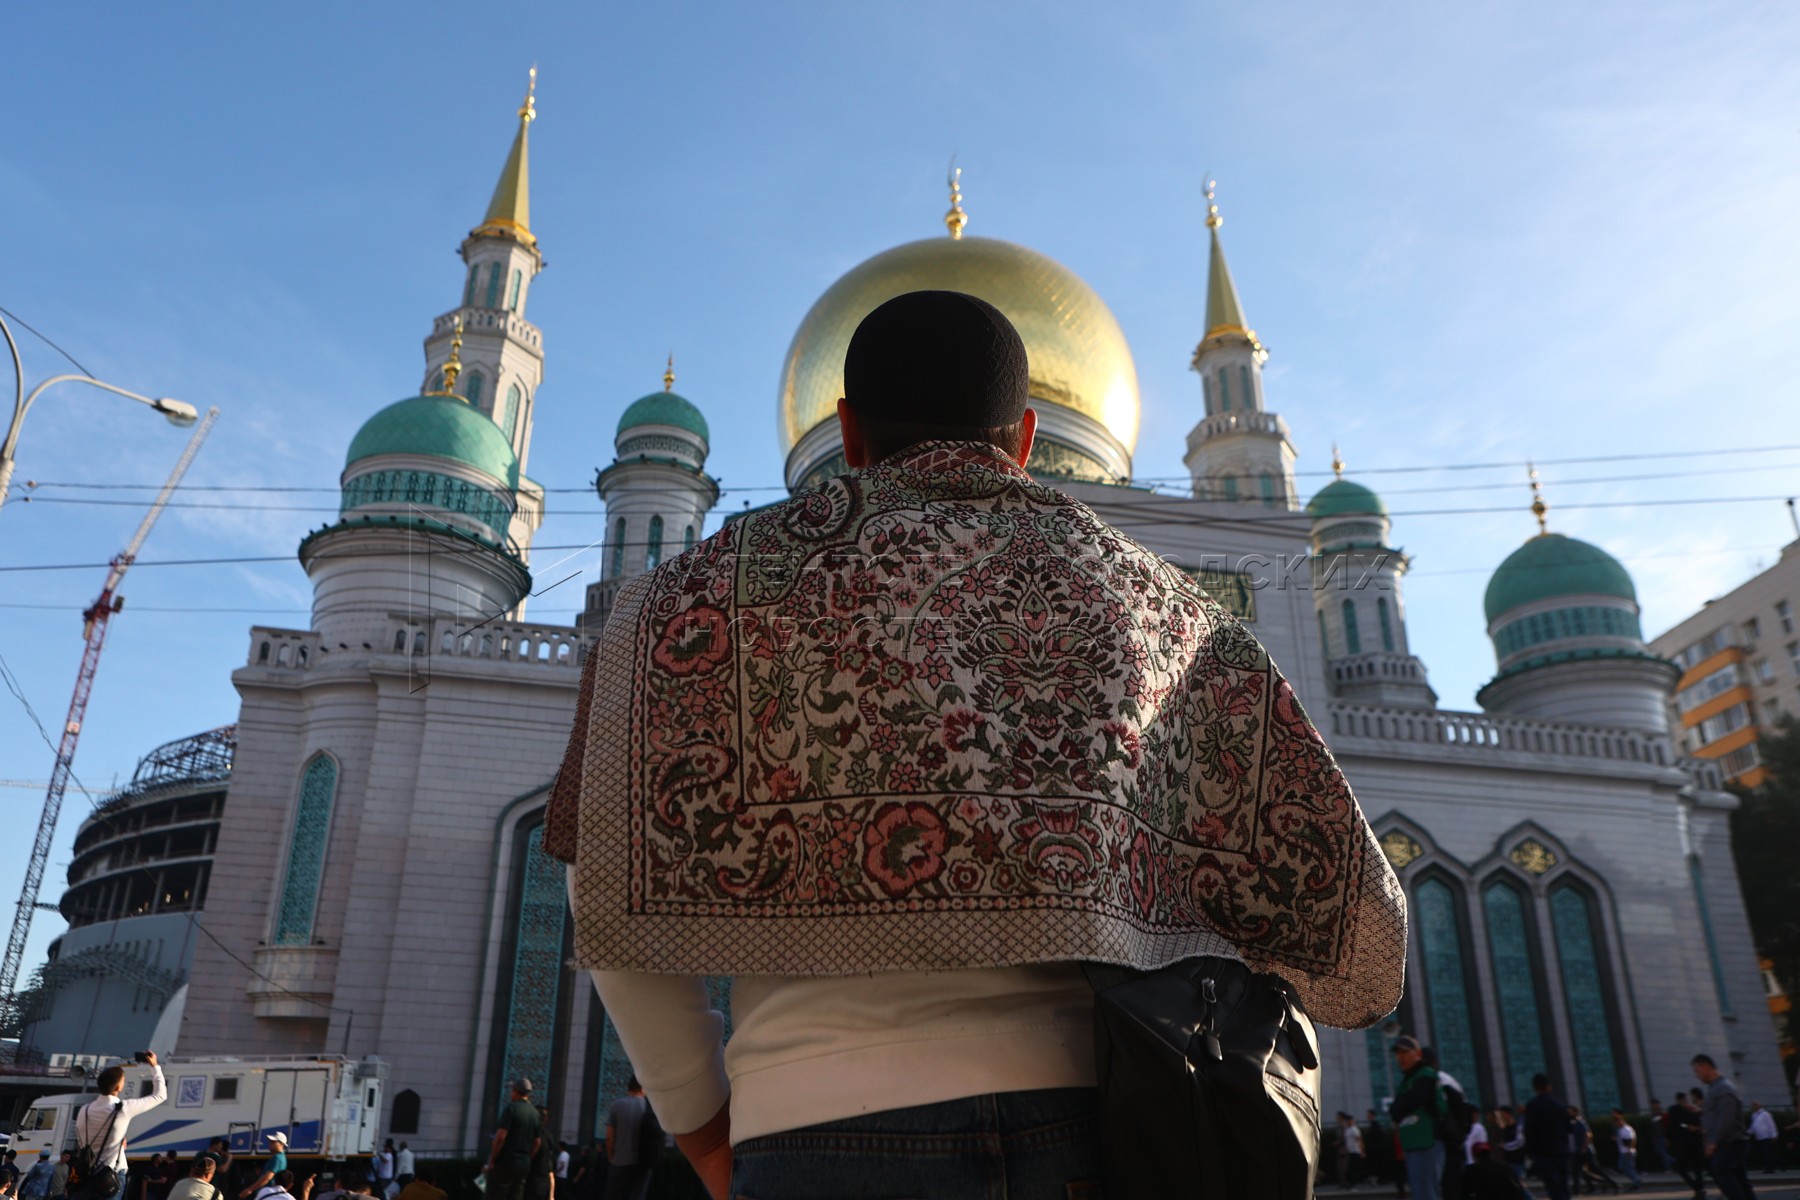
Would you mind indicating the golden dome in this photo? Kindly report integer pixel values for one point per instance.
(1078, 354)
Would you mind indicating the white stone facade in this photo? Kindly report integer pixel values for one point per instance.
(435, 934)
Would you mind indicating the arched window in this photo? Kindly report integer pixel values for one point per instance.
(472, 389)
(1249, 393)
(1352, 635)
(1206, 394)
(1231, 487)
(509, 422)
(493, 286)
(618, 548)
(512, 292)
(1324, 636)
(1517, 982)
(306, 852)
(1453, 1028)
(687, 539)
(469, 288)
(1268, 490)
(534, 983)
(406, 1113)
(653, 551)
(1584, 976)
(1224, 391)
(1387, 623)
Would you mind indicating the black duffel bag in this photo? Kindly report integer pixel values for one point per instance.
(1209, 1083)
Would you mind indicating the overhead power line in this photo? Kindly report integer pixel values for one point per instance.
(1658, 476)
(1410, 468)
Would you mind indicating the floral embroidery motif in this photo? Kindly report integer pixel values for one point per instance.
(936, 686)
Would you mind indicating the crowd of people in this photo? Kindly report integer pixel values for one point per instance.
(525, 1161)
(1437, 1143)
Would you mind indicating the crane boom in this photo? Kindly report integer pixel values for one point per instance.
(96, 619)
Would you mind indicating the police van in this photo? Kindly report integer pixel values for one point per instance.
(329, 1107)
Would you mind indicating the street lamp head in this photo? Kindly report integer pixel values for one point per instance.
(179, 412)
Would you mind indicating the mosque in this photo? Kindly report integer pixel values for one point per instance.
(378, 888)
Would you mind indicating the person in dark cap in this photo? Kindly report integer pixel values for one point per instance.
(902, 752)
(1419, 1110)
(516, 1143)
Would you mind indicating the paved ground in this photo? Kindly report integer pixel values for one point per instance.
(1784, 1185)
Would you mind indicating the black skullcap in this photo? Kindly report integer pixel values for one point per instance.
(937, 358)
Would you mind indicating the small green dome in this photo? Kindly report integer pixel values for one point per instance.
(437, 427)
(1551, 565)
(1341, 498)
(665, 408)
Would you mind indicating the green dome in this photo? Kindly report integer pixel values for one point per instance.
(437, 427)
(665, 408)
(1341, 498)
(1551, 565)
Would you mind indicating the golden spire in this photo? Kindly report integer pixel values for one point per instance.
(509, 212)
(1224, 312)
(1538, 508)
(1337, 461)
(669, 374)
(453, 364)
(956, 218)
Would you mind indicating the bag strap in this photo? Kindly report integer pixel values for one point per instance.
(105, 1134)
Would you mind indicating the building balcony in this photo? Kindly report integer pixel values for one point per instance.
(293, 982)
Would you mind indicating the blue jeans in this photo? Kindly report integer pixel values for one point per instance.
(1039, 1145)
(1424, 1168)
(1628, 1164)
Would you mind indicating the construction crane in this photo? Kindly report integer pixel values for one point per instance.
(95, 618)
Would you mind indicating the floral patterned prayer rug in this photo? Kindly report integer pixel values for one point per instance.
(933, 714)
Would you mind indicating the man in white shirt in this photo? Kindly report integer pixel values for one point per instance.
(1477, 1136)
(1762, 1136)
(403, 1166)
(911, 792)
(103, 1123)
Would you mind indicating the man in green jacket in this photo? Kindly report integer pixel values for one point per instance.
(1417, 1111)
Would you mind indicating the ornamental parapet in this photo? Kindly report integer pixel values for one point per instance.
(1220, 424)
(497, 320)
(1479, 735)
(1379, 665)
(526, 644)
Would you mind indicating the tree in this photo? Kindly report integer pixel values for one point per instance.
(1765, 843)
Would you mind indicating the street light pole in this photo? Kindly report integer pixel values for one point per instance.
(179, 412)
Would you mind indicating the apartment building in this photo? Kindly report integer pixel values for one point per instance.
(1740, 668)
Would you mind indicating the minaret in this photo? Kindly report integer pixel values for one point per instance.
(502, 352)
(1356, 592)
(1563, 617)
(1239, 450)
(657, 492)
(428, 495)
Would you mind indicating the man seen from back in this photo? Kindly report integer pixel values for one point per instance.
(899, 754)
(104, 1123)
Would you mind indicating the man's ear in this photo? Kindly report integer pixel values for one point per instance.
(856, 451)
(1030, 433)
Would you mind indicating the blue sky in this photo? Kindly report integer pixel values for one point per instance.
(1468, 234)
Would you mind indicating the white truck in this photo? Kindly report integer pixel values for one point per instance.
(328, 1107)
